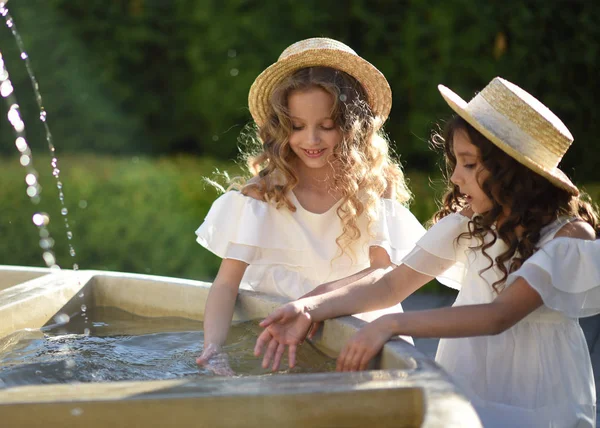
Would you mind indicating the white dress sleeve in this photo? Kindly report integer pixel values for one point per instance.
(397, 230)
(243, 228)
(566, 274)
(440, 253)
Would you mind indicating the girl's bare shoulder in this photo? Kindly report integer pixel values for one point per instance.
(577, 229)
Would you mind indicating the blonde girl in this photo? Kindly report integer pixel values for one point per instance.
(325, 204)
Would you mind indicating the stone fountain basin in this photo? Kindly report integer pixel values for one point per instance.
(403, 389)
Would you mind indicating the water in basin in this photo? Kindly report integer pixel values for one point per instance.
(109, 344)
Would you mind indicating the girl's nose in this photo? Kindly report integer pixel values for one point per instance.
(455, 177)
(314, 136)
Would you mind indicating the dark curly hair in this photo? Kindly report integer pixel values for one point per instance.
(531, 200)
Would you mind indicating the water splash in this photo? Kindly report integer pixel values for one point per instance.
(32, 191)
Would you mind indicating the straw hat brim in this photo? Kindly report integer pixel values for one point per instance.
(373, 81)
(554, 175)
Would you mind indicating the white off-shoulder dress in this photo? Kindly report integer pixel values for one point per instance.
(291, 253)
(537, 373)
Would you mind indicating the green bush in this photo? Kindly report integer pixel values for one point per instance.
(133, 214)
(126, 214)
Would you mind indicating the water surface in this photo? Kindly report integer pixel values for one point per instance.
(108, 344)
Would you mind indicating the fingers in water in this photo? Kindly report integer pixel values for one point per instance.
(263, 339)
(356, 361)
(278, 355)
(269, 353)
(292, 355)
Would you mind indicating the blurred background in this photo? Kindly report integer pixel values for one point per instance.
(146, 97)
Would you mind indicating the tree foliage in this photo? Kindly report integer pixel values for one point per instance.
(166, 76)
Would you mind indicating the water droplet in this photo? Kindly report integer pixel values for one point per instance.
(231, 53)
(24, 55)
(72, 252)
(70, 363)
(9, 22)
(83, 204)
(55, 172)
(32, 191)
(25, 160)
(43, 116)
(6, 88)
(30, 179)
(38, 219)
(59, 184)
(46, 243)
(15, 118)
(38, 372)
(80, 294)
(62, 318)
(36, 200)
(343, 98)
(69, 235)
(49, 258)
(86, 331)
(76, 411)
(21, 144)
(83, 308)
(64, 211)
(54, 162)
(234, 72)
(215, 138)
(44, 233)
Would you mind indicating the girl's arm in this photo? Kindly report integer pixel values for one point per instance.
(289, 324)
(379, 262)
(367, 294)
(219, 307)
(511, 306)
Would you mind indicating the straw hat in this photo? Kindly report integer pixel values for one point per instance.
(321, 52)
(519, 125)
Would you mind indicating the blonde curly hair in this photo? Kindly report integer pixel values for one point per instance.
(363, 169)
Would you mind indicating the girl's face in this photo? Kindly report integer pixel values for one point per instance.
(469, 172)
(314, 133)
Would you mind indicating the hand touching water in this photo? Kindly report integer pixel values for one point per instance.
(286, 326)
(214, 359)
(363, 346)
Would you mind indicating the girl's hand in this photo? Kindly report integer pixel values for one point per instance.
(214, 359)
(286, 326)
(363, 346)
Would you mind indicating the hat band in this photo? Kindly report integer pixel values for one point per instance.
(510, 134)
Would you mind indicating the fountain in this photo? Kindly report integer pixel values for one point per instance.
(403, 388)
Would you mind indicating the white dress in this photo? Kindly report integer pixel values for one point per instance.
(291, 253)
(537, 373)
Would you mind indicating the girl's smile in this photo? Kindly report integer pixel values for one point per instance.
(314, 153)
